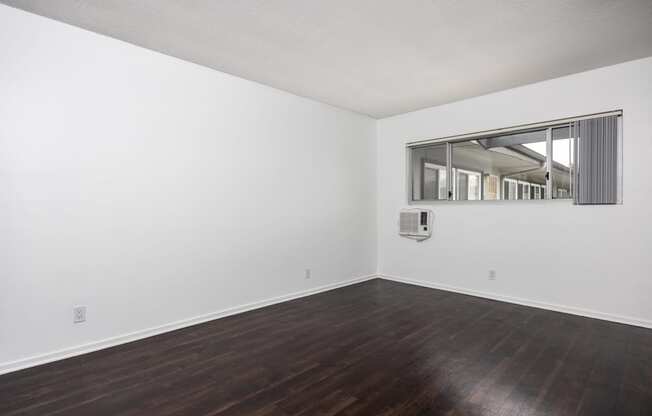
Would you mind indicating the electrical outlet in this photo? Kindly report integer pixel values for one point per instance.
(492, 275)
(308, 273)
(79, 314)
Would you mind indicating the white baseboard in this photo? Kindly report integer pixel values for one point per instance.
(526, 302)
(12, 366)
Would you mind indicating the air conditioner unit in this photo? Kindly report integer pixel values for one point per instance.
(415, 223)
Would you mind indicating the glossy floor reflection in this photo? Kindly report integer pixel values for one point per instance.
(376, 348)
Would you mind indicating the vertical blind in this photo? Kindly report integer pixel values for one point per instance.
(596, 161)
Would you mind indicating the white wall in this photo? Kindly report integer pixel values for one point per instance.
(591, 259)
(153, 190)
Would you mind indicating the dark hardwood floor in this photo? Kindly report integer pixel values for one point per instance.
(377, 348)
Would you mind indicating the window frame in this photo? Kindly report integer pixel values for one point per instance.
(410, 145)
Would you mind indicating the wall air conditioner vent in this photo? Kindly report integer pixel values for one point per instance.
(415, 223)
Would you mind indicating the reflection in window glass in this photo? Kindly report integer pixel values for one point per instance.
(526, 190)
(474, 187)
(510, 189)
(562, 163)
(529, 163)
(467, 185)
(434, 181)
(511, 165)
(429, 173)
(536, 191)
(491, 187)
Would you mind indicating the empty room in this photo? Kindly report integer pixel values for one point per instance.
(363, 207)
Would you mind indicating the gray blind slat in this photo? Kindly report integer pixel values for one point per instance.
(596, 161)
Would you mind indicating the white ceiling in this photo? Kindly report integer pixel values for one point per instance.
(377, 57)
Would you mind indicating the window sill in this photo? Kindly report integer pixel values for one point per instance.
(493, 202)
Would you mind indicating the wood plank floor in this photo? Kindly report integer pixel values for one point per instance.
(377, 348)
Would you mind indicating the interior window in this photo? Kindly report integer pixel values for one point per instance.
(528, 164)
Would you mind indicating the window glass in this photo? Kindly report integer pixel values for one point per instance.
(512, 163)
(528, 164)
(510, 189)
(562, 163)
(429, 182)
(491, 191)
(467, 185)
(434, 181)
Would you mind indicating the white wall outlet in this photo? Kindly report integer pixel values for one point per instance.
(79, 314)
(492, 275)
(308, 273)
